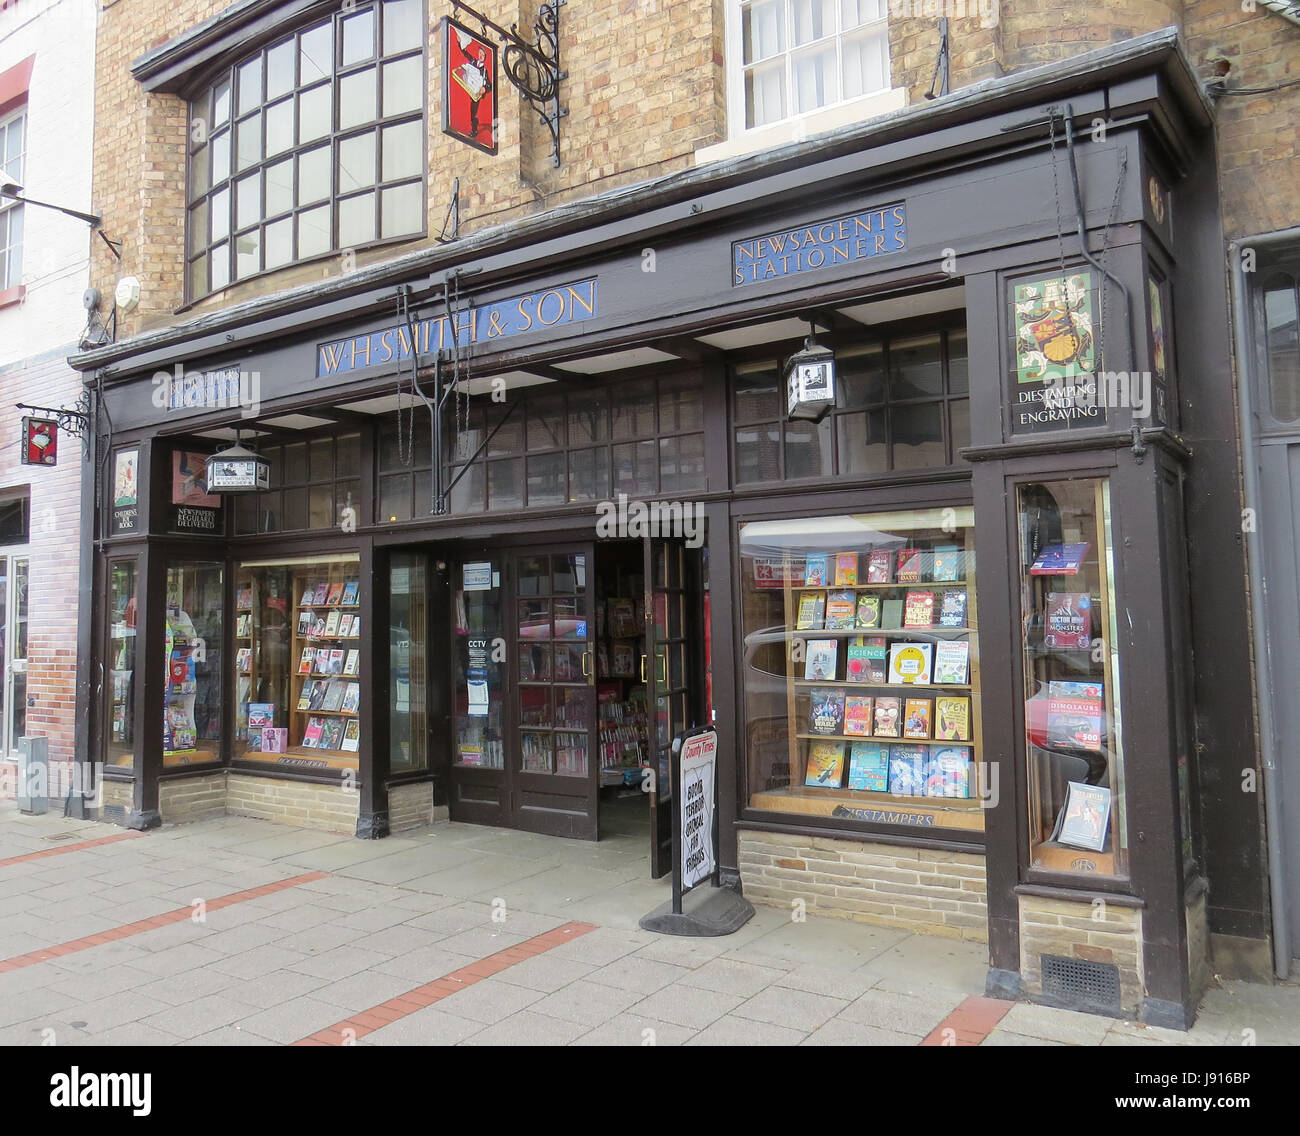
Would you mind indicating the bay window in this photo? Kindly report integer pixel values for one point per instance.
(313, 145)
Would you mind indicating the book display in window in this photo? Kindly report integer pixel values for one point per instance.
(1073, 747)
(868, 661)
(622, 717)
(299, 665)
(180, 735)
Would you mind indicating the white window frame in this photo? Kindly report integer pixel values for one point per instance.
(12, 277)
(735, 54)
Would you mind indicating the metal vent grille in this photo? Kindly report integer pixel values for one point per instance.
(1093, 984)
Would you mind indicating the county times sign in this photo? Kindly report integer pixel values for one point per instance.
(697, 800)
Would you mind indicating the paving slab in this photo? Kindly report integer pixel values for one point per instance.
(687, 1005)
(292, 1020)
(636, 1030)
(489, 1001)
(586, 1002)
(736, 1031)
(527, 1028)
(430, 1026)
(799, 1009)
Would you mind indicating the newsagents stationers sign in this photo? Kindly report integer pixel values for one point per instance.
(822, 244)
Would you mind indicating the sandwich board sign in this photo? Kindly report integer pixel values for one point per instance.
(693, 768)
(696, 758)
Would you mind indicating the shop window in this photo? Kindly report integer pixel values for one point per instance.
(640, 438)
(13, 146)
(1073, 735)
(311, 483)
(861, 670)
(123, 581)
(1282, 346)
(297, 663)
(408, 664)
(15, 517)
(901, 404)
(788, 58)
(191, 725)
(314, 144)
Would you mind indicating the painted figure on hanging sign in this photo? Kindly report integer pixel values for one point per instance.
(40, 441)
(469, 88)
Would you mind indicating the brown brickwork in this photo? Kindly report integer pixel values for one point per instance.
(916, 889)
(1259, 135)
(645, 89)
(53, 551)
(410, 806)
(1092, 932)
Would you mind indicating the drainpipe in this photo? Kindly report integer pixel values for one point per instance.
(1244, 350)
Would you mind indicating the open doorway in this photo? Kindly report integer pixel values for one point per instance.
(571, 675)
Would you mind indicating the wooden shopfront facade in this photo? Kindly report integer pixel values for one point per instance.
(503, 626)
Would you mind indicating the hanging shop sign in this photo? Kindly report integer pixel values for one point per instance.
(1054, 378)
(194, 509)
(126, 491)
(469, 87)
(821, 244)
(534, 311)
(40, 441)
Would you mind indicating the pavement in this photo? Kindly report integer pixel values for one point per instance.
(243, 932)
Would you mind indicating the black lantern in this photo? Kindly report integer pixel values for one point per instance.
(810, 381)
(237, 470)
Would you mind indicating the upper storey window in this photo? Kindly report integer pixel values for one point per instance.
(313, 145)
(798, 56)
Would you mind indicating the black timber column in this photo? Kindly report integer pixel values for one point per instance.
(994, 537)
(151, 618)
(372, 810)
(726, 694)
(1146, 631)
(995, 581)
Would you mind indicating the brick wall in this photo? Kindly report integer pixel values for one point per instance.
(192, 798)
(1259, 135)
(299, 803)
(644, 90)
(1107, 934)
(411, 806)
(52, 552)
(914, 889)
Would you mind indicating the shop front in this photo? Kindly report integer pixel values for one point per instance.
(540, 500)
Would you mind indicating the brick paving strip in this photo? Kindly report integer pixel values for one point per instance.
(152, 924)
(386, 1013)
(970, 1023)
(70, 848)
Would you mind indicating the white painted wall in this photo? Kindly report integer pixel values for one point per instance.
(56, 249)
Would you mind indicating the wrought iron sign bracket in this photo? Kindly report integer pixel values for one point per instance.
(74, 419)
(532, 68)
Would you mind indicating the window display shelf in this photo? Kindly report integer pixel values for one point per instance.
(909, 690)
(300, 681)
